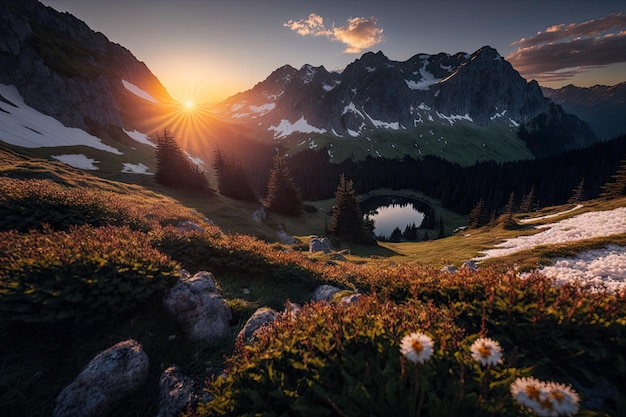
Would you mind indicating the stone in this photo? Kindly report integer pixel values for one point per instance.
(189, 226)
(471, 265)
(199, 307)
(322, 244)
(285, 238)
(177, 392)
(325, 293)
(260, 318)
(259, 215)
(111, 376)
(451, 269)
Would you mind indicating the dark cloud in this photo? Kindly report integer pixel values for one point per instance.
(563, 51)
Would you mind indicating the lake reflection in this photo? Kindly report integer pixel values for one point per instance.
(389, 212)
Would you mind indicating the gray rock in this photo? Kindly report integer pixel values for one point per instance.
(449, 269)
(189, 226)
(261, 317)
(177, 392)
(199, 307)
(285, 238)
(471, 265)
(259, 215)
(324, 293)
(111, 376)
(320, 244)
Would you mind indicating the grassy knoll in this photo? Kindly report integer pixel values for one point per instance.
(333, 359)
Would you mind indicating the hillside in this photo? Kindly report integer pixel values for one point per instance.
(253, 274)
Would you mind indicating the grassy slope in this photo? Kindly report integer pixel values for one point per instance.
(28, 355)
(462, 143)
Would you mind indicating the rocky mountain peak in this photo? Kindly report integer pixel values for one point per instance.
(64, 69)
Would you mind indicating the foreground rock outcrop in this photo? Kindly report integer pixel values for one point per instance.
(199, 307)
(111, 376)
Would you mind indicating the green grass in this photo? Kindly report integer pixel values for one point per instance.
(463, 143)
(542, 327)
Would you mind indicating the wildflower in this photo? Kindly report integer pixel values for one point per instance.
(486, 351)
(563, 397)
(417, 347)
(527, 392)
(545, 398)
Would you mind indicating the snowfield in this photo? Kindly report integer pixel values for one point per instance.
(24, 126)
(603, 267)
(77, 161)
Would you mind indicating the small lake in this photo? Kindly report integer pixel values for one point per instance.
(389, 212)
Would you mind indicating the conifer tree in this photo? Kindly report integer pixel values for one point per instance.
(617, 187)
(347, 222)
(527, 201)
(174, 169)
(578, 193)
(232, 177)
(283, 196)
(476, 217)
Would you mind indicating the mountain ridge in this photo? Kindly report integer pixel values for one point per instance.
(480, 91)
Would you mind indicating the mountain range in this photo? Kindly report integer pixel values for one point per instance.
(462, 107)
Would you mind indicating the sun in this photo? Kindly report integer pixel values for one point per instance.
(188, 104)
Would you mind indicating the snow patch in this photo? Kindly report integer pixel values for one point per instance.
(602, 268)
(427, 79)
(370, 69)
(196, 161)
(130, 168)
(455, 117)
(26, 127)
(328, 87)
(286, 128)
(513, 123)
(549, 216)
(583, 226)
(138, 91)
(497, 114)
(77, 161)
(263, 108)
(140, 137)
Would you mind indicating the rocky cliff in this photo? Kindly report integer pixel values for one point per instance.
(373, 94)
(64, 69)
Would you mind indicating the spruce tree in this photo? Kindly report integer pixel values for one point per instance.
(283, 196)
(174, 169)
(232, 177)
(578, 193)
(528, 201)
(347, 222)
(617, 187)
(476, 217)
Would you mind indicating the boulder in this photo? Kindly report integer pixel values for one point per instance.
(111, 376)
(177, 391)
(285, 238)
(259, 215)
(470, 264)
(199, 307)
(261, 317)
(451, 269)
(189, 226)
(320, 244)
(324, 293)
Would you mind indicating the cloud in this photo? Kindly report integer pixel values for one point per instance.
(359, 34)
(565, 50)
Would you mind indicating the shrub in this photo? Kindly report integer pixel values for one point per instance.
(83, 275)
(28, 204)
(345, 360)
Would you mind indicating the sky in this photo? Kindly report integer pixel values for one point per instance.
(212, 49)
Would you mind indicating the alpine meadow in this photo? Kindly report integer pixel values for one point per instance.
(278, 209)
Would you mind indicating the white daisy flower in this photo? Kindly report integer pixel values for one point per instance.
(417, 347)
(564, 398)
(486, 351)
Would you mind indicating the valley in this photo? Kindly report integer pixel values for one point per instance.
(225, 259)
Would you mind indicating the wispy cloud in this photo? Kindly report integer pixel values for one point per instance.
(360, 32)
(562, 51)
